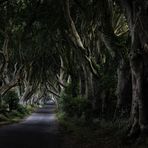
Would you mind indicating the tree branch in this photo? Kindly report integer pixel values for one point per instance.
(71, 25)
(54, 93)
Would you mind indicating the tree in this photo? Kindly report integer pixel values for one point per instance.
(136, 12)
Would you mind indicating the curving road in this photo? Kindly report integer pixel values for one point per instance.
(40, 130)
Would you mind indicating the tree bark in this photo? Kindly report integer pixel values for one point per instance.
(137, 16)
(124, 90)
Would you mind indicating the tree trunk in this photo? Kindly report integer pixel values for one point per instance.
(75, 84)
(26, 94)
(97, 100)
(137, 16)
(90, 93)
(124, 90)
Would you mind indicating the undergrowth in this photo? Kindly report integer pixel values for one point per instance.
(8, 117)
(77, 133)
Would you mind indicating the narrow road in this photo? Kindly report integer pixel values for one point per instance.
(40, 130)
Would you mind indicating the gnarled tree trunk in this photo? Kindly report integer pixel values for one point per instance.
(137, 16)
(124, 90)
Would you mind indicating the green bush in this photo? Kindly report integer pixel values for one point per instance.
(74, 106)
(23, 110)
(10, 109)
(11, 99)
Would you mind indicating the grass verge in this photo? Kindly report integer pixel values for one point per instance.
(14, 116)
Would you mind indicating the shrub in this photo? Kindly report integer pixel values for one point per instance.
(74, 106)
(21, 109)
(11, 99)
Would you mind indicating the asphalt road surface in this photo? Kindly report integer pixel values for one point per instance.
(40, 130)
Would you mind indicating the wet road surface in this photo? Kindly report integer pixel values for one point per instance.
(40, 130)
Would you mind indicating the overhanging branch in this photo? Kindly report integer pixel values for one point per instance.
(71, 25)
